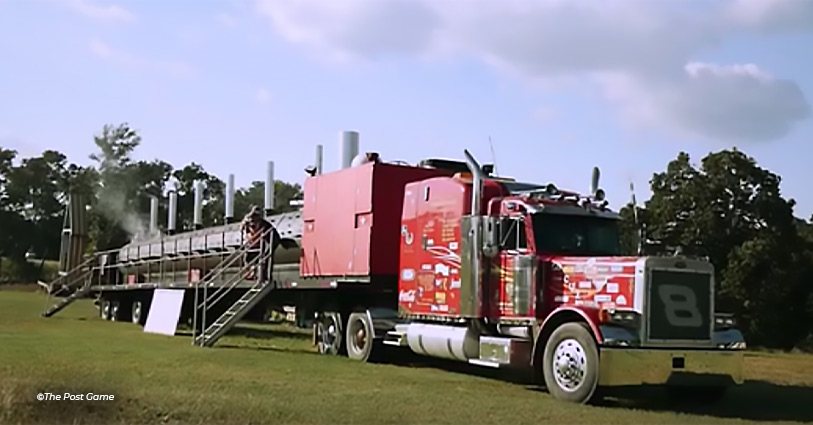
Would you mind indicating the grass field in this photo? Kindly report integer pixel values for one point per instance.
(271, 375)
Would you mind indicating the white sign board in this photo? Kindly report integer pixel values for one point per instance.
(165, 310)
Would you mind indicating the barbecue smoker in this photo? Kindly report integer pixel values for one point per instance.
(446, 260)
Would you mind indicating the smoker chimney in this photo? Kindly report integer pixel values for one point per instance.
(153, 215)
(319, 159)
(230, 200)
(349, 148)
(173, 212)
(269, 189)
(198, 211)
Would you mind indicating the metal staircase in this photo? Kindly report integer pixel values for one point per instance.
(262, 286)
(78, 275)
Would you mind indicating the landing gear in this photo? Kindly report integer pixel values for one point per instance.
(360, 343)
(328, 334)
(571, 364)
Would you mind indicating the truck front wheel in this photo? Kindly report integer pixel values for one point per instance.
(571, 363)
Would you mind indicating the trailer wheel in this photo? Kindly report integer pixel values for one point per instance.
(360, 343)
(330, 338)
(114, 311)
(571, 363)
(137, 314)
(104, 310)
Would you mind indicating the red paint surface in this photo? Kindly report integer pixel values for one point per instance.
(594, 282)
(352, 219)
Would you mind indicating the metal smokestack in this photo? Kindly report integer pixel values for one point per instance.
(230, 199)
(173, 212)
(198, 211)
(153, 215)
(319, 159)
(269, 189)
(349, 148)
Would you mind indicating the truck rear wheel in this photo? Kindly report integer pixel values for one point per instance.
(571, 363)
(329, 334)
(359, 337)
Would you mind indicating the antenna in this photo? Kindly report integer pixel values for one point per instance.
(493, 156)
(637, 221)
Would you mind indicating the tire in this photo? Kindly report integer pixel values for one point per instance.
(359, 338)
(137, 315)
(570, 364)
(330, 335)
(115, 314)
(104, 310)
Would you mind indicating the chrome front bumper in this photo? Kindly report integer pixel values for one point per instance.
(623, 362)
(636, 366)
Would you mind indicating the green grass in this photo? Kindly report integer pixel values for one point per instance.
(271, 375)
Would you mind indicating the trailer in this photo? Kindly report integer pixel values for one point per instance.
(444, 259)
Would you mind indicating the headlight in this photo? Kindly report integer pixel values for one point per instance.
(619, 318)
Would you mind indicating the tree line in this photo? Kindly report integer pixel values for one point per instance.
(726, 209)
(34, 192)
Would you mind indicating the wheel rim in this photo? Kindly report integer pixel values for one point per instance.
(136, 312)
(569, 365)
(359, 340)
(329, 334)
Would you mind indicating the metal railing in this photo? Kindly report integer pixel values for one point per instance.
(265, 253)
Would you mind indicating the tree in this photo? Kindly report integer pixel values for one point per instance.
(284, 193)
(114, 219)
(731, 211)
(213, 193)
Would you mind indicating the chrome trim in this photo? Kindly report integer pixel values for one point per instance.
(470, 299)
(525, 267)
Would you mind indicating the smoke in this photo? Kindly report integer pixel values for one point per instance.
(113, 202)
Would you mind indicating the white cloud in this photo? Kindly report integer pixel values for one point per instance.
(172, 67)
(263, 95)
(641, 54)
(108, 13)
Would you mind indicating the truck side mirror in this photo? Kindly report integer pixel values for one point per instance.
(491, 239)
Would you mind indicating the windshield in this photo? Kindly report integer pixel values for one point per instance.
(575, 235)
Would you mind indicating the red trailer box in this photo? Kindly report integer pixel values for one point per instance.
(340, 211)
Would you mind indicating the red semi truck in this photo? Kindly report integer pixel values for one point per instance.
(446, 260)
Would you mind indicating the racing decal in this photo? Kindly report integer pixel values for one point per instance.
(599, 281)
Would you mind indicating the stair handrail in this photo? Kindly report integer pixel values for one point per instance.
(224, 265)
(232, 283)
(221, 268)
(202, 338)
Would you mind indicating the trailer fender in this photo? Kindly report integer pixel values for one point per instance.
(383, 320)
(558, 317)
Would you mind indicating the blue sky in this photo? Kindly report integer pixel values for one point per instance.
(558, 86)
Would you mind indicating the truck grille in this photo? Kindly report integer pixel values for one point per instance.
(679, 306)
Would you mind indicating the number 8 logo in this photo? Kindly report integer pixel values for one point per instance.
(680, 299)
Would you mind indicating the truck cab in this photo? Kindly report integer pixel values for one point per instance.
(501, 273)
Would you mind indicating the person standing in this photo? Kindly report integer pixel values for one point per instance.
(260, 236)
